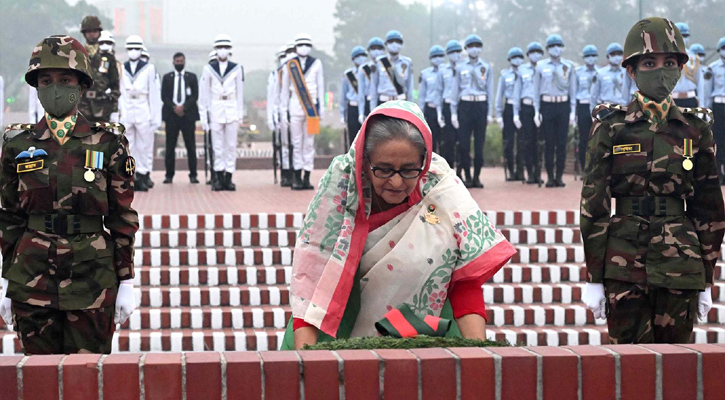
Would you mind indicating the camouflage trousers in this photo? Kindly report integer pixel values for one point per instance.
(646, 314)
(49, 331)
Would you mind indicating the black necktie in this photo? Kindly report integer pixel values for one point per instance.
(178, 89)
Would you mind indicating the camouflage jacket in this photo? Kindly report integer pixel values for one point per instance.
(67, 271)
(101, 100)
(677, 252)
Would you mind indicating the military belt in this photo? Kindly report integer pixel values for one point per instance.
(527, 101)
(510, 101)
(650, 206)
(65, 224)
(718, 99)
(554, 99)
(384, 98)
(481, 97)
(583, 101)
(684, 95)
(352, 103)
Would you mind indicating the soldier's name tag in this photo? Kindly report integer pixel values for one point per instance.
(30, 166)
(626, 148)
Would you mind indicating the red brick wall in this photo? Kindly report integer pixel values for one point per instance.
(645, 372)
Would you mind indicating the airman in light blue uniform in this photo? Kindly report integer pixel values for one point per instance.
(430, 93)
(376, 48)
(610, 79)
(691, 86)
(396, 82)
(507, 111)
(349, 95)
(528, 109)
(447, 83)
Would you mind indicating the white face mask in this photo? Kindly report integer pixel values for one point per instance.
(436, 61)
(687, 40)
(105, 47)
(454, 57)
(222, 54)
(394, 47)
(375, 53)
(722, 53)
(554, 51)
(134, 54)
(516, 61)
(303, 50)
(615, 60)
(359, 60)
(473, 52)
(590, 60)
(535, 56)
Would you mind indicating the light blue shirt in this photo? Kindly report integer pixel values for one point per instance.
(525, 88)
(628, 89)
(381, 85)
(347, 91)
(507, 82)
(363, 85)
(555, 78)
(717, 81)
(585, 78)
(473, 78)
(692, 79)
(429, 90)
(446, 83)
(608, 87)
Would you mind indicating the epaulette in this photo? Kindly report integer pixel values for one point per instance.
(702, 113)
(606, 110)
(116, 127)
(14, 130)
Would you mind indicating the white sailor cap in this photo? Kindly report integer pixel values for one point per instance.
(134, 42)
(222, 40)
(303, 38)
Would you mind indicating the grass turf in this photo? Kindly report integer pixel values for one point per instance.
(369, 343)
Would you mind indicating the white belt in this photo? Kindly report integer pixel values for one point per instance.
(447, 101)
(388, 98)
(527, 101)
(718, 99)
(684, 95)
(482, 97)
(554, 99)
(431, 105)
(225, 97)
(138, 96)
(510, 101)
(368, 98)
(352, 103)
(583, 101)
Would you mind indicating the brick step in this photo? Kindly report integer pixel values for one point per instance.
(564, 293)
(232, 256)
(227, 238)
(209, 317)
(294, 220)
(206, 296)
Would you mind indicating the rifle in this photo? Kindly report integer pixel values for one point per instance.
(290, 148)
(275, 147)
(206, 151)
(504, 142)
(575, 142)
(540, 146)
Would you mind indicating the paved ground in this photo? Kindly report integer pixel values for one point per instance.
(257, 193)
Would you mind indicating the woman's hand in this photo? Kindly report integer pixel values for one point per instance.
(472, 326)
(305, 335)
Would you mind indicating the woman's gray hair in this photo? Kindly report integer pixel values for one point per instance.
(381, 128)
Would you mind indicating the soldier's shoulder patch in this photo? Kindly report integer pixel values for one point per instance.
(607, 110)
(114, 127)
(13, 130)
(130, 166)
(702, 113)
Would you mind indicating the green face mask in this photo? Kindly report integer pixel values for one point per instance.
(658, 83)
(58, 100)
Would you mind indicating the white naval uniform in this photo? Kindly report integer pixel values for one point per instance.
(221, 105)
(139, 108)
(35, 110)
(303, 144)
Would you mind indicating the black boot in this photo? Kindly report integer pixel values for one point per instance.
(286, 178)
(550, 181)
(217, 181)
(306, 182)
(149, 182)
(476, 183)
(467, 178)
(297, 183)
(228, 184)
(559, 182)
(139, 184)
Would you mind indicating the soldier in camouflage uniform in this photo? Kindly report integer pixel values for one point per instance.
(100, 101)
(61, 182)
(650, 266)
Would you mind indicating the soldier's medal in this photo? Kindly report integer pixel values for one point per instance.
(130, 166)
(402, 70)
(687, 153)
(94, 161)
(483, 73)
(430, 216)
(565, 68)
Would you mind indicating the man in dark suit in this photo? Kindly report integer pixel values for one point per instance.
(179, 92)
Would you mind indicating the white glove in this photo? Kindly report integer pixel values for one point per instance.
(6, 304)
(204, 125)
(114, 117)
(517, 122)
(572, 119)
(499, 121)
(537, 120)
(490, 120)
(704, 304)
(360, 119)
(594, 298)
(125, 301)
(270, 125)
(275, 117)
(342, 120)
(441, 120)
(454, 121)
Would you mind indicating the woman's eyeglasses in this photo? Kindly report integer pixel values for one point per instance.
(405, 173)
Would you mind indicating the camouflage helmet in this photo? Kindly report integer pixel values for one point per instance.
(59, 51)
(654, 36)
(91, 23)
